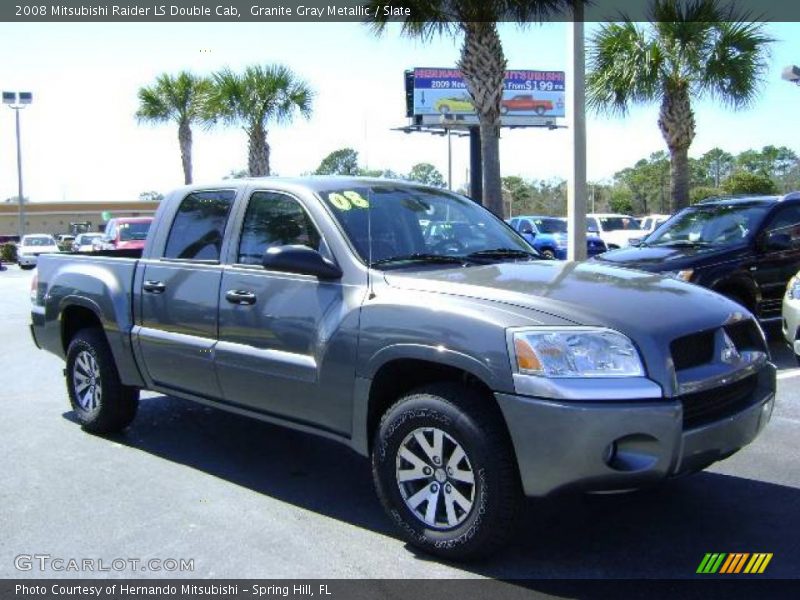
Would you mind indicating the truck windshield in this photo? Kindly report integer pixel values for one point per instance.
(39, 240)
(618, 223)
(408, 224)
(133, 231)
(551, 225)
(713, 225)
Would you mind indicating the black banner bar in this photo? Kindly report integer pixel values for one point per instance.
(315, 11)
(396, 589)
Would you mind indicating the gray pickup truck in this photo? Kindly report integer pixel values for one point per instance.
(417, 328)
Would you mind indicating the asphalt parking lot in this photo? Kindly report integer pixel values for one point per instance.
(244, 499)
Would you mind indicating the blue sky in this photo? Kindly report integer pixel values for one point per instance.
(81, 141)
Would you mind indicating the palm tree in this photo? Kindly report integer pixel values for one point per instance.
(482, 62)
(253, 99)
(689, 49)
(179, 99)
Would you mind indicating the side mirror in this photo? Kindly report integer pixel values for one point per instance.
(774, 241)
(635, 242)
(300, 259)
(592, 229)
(527, 231)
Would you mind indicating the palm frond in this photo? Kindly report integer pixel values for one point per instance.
(624, 68)
(261, 93)
(737, 61)
(172, 98)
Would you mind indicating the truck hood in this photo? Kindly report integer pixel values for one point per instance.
(642, 305)
(664, 258)
(621, 237)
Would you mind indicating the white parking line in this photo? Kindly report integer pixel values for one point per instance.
(788, 374)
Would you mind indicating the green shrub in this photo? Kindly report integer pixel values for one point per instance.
(8, 252)
(744, 182)
(702, 192)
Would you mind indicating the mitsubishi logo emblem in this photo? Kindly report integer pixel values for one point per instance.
(729, 353)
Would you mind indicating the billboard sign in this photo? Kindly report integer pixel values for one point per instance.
(443, 93)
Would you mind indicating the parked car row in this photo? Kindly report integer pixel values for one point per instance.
(548, 235)
(125, 233)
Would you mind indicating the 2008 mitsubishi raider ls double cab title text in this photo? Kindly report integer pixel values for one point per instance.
(471, 371)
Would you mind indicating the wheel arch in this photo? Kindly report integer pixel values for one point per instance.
(77, 315)
(397, 370)
(740, 287)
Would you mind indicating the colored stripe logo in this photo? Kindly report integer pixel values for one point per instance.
(733, 563)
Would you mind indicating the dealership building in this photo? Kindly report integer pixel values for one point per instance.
(55, 217)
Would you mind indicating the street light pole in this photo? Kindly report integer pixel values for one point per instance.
(16, 101)
(20, 197)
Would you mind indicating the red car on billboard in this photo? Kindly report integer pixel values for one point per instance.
(525, 102)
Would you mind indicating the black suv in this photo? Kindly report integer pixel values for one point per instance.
(746, 248)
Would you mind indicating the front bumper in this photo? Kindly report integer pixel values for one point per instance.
(27, 260)
(623, 445)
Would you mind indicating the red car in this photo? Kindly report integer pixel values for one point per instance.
(525, 102)
(124, 233)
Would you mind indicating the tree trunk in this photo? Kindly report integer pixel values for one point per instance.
(185, 141)
(676, 121)
(258, 160)
(483, 66)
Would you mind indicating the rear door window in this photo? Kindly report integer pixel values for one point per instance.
(199, 225)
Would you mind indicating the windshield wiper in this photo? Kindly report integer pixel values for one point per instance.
(502, 253)
(420, 257)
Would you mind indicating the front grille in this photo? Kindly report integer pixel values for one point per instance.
(745, 335)
(692, 350)
(700, 408)
(698, 348)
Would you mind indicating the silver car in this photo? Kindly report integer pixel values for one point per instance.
(83, 242)
(791, 315)
(32, 246)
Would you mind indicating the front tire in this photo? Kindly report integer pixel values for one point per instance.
(445, 471)
(101, 402)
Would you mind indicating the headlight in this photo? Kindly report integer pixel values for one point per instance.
(683, 275)
(573, 352)
(793, 289)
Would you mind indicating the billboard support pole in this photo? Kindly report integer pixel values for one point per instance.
(475, 165)
(449, 160)
(576, 183)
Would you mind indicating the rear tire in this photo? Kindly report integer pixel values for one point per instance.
(445, 472)
(101, 402)
(26, 267)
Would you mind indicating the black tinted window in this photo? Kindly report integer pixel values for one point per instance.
(199, 225)
(788, 216)
(274, 220)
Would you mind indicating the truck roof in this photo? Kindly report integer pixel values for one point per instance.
(315, 183)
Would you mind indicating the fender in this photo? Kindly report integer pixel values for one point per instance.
(434, 354)
(119, 340)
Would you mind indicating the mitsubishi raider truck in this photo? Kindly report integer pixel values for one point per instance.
(469, 370)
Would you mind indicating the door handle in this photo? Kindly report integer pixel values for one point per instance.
(240, 297)
(154, 287)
